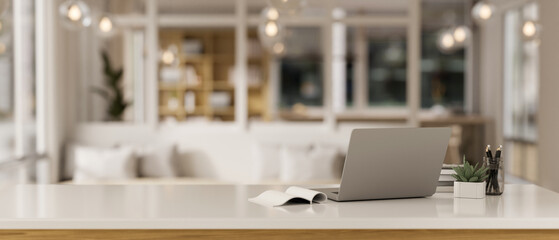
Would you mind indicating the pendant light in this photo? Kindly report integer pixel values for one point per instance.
(106, 26)
(270, 31)
(169, 56)
(483, 11)
(446, 42)
(461, 35)
(270, 13)
(75, 14)
(530, 30)
(278, 48)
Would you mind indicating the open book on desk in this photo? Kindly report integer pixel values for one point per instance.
(274, 198)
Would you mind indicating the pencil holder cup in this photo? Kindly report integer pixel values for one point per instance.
(496, 180)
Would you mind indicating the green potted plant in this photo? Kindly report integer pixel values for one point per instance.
(113, 91)
(470, 181)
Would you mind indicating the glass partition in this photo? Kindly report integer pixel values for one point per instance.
(301, 81)
(443, 73)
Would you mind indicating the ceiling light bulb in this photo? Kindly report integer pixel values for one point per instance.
(105, 25)
(482, 11)
(272, 14)
(271, 29)
(168, 57)
(74, 13)
(278, 48)
(529, 29)
(485, 12)
(460, 34)
(448, 41)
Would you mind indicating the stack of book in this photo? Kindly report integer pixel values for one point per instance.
(446, 181)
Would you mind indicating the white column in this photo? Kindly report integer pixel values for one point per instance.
(138, 77)
(152, 46)
(20, 81)
(360, 83)
(414, 59)
(241, 86)
(22, 59)
(339, 67)
(327, 72)
(44, 174)
(274, 87)
(471, 98)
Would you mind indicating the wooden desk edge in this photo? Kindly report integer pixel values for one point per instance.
(291, 234)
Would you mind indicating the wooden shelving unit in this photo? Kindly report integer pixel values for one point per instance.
(213, 67)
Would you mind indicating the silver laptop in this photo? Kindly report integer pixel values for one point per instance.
(391, 163)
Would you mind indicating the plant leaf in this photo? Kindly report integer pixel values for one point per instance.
(481, 171)
(463, 179)
(102, 92)
(468, 171)
(455, 176)
(473, 179)
(459, 170)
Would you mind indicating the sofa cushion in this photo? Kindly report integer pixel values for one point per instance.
(266, 161)
(157, 161)
(94, 163)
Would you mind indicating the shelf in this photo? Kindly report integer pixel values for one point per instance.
(165, 111)
(228, 58)
(227, 111)
(292, 116)
(223, 85)
(195, 58)
(180, 86)
(212, 67)
(198, 111)
(255, 87)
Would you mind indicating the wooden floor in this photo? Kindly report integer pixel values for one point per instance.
(278, 234)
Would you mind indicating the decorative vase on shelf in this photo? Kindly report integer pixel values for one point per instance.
(470, 181)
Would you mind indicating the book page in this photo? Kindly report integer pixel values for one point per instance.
(273, 198)
(309, 195)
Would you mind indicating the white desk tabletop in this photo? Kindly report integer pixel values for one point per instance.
(226, 207)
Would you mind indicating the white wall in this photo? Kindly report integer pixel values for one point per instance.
(548, 114)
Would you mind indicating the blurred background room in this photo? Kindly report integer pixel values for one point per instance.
(268, 91)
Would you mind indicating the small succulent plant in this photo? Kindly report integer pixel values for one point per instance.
(469, 173)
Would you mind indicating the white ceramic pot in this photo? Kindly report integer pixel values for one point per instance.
(469, 190)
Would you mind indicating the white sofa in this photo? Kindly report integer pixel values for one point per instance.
(271, 162)
(218, 153)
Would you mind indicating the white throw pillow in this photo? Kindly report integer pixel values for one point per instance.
(158, 161)
(309, 164)
(98, 164)
(266, 161)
